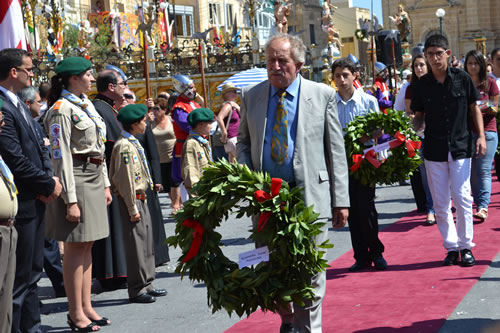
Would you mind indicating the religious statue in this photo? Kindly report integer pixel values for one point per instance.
(402, 21)
(327, 24)
(83, 34)
(281, 12)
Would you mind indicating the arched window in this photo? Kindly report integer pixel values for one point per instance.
(431, 33)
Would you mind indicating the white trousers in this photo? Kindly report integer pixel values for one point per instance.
(451, 180)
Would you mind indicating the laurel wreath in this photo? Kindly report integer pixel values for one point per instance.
(399, 165)
(288, 230)
(360, 34)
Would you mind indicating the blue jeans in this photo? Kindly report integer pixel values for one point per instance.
(481, 171)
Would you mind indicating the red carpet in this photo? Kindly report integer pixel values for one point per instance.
(415, 294)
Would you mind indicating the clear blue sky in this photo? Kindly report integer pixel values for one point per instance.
(377, 6)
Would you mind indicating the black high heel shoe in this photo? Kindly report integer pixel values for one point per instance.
(88, 328)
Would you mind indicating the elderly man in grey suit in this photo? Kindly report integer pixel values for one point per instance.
(290, 128)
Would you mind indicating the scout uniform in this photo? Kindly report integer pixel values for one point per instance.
(8, 242)
(196, 153)
(130, 177)
(77, 135)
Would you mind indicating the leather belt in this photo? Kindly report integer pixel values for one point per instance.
(88, 158)
(140, 196)
(7, 222)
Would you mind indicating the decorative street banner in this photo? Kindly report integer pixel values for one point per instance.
(128, 26)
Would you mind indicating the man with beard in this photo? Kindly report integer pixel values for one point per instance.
(379, 89)
(183, 106)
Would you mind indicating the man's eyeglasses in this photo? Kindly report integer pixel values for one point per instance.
(28, 71)
(438, 54)
(123, 83)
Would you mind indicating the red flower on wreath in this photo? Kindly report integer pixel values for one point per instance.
(262, 196)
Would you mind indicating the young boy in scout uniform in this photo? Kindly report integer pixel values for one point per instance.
(130, 177)
(196, 152)
(8, 240)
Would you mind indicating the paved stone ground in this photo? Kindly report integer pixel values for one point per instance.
(185, 310)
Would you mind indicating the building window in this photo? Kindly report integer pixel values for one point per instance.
(348, 40)
(312, 36)
(213, 9)
(184, 23)
(229, 15)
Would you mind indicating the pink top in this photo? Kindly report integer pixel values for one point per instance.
(489, 121)
(234, 123)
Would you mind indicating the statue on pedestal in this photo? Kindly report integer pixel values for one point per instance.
(281, 12)
(327, 24)
(402, 21)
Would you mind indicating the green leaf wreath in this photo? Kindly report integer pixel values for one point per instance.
(286, 226)
(399, 165)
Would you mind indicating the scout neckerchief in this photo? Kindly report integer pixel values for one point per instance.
(9, 178)
(77, 101)
(137, 145)
(204, 142)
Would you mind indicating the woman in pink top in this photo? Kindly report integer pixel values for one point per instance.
(232, 109)
(481, 167)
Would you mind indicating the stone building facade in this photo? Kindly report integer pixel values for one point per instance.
(464, 21)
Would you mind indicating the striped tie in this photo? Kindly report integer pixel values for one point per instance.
(279, 139)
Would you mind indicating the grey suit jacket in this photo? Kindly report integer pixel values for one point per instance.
(319, 162)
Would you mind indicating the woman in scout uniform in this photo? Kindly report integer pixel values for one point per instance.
(78, 217)
(196, 153)
(130, 176)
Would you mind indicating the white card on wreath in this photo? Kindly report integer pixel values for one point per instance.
(253, 257)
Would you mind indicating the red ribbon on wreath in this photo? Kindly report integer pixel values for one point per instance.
(410, 144)
(262, 196)
(197, 238)
(370, 156)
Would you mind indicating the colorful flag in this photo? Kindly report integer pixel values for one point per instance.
(11, 25)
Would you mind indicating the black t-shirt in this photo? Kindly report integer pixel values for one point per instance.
(447, 118)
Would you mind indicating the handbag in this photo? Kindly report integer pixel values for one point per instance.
(217, 136)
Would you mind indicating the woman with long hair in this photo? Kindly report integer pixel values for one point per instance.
(480, 179)
(78, 217)
(420, 187)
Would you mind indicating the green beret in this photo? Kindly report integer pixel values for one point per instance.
(199, 115)
(132, 113)
(73, 66)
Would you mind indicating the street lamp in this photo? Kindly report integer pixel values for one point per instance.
(440, 14)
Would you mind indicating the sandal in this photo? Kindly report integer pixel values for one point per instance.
(88, 328)
(482, 214)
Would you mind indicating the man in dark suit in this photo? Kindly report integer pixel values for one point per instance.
(21, 150)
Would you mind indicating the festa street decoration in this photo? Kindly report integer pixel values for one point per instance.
(286, 226)
(385, 163)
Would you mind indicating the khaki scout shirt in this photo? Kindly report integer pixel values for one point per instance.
(8, 202)
(195, 156)
(72, 131)
(127, 173)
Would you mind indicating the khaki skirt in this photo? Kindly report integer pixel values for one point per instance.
(93, 223)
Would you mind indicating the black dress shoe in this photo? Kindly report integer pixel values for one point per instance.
(287, 328)
(430, 222)
(144, 298)
(380, 263)
(359, 265)
(158, 292)
(451, 258)
(467, 258)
